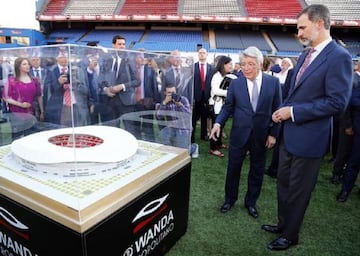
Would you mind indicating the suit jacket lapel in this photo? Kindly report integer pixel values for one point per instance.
(246, 94)
(263, 91)
(312, 67)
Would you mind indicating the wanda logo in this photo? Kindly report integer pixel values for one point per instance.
(10, 222)
(150, 212)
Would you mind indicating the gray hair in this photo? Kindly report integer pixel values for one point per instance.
(253, 52)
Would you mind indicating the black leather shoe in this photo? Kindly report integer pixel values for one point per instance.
(342, 197)
(281, 243)
(225, 207)
(271, 173)
(271, 228)
(252, 211)
(206, 138)
(335, 179)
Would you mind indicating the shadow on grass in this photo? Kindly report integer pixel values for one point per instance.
(329, 228)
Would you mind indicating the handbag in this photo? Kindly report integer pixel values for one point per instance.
(218, 103)
(225, 83)
(210, 110)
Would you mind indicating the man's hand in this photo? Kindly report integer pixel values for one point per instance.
(349, 131)
(167, 99)
(215, 132)
(92, 108)
(108, 92)
(270, 141)
(282, 114)
(63, 79)
(116, 88)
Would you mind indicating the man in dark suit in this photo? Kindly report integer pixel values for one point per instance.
(251, 100)
(56, 84)
(121, 91)
(179, 75)
(67, 92)
(318, 91)
(345, 135)
(202, 87)
(353, 164)
(146, 96)
(272, 169)
(40, 73)
(237, 69)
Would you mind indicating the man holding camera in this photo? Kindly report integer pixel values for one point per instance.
(175, 112)
(58, 96)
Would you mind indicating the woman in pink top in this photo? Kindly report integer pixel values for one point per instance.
(23, 90)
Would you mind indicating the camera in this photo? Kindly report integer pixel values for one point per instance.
(176, 97)
(65, 75)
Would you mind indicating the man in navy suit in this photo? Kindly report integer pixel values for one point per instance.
(251, 100)
(121, 91)
(146, 96)
(353, 164)
(180, 75)
(316, 94)
(40, 73)
(202, 87)
(67, 92)
(55, 84)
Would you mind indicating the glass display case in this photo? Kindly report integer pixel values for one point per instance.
(90, 135)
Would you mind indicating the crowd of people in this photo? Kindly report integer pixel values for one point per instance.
(285, 105)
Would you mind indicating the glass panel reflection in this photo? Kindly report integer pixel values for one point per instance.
(58, 86)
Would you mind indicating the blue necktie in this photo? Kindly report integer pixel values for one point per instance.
(37, 74)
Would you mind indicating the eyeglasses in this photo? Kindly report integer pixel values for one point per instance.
(249, 64)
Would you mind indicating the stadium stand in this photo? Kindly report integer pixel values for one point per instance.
(173, 36)
(165, 40)
(250, 38)
(70, 36)
(350, 41)
(104, 36)
(273, 8)
(217, 25)
(226, 39)
(213, 7)
(168, 46)
(91, 7)
(143, 7)
(285, 42)
(238, 39)
(341, 9)
(350, 9)
(55, 7)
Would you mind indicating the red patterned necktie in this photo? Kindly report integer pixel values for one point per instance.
(304, 65)
(67, 94)
(202, 75)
